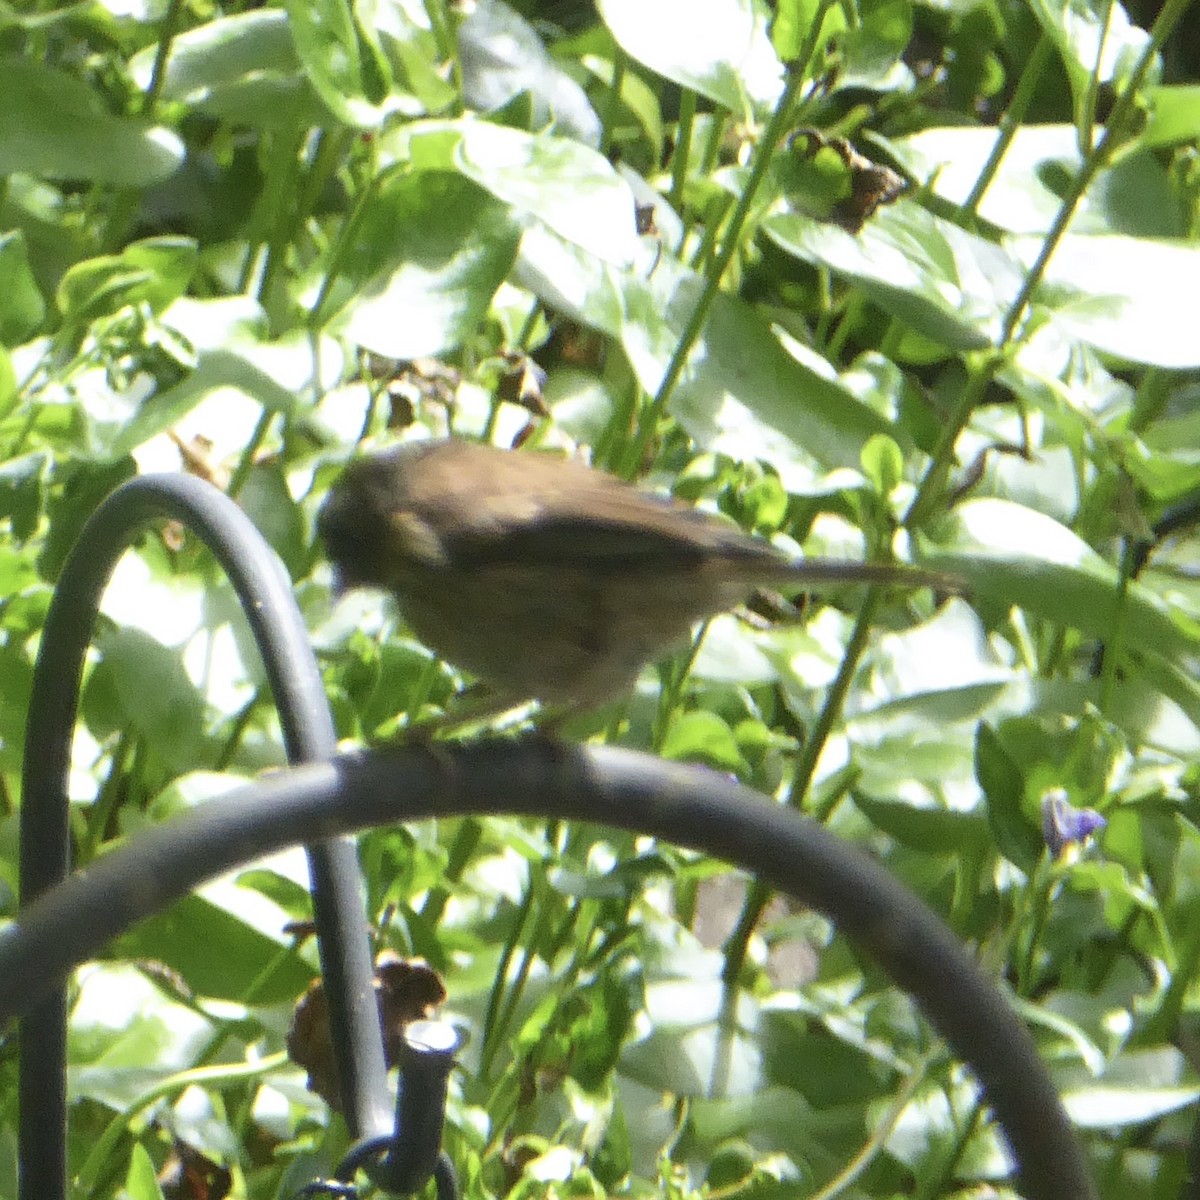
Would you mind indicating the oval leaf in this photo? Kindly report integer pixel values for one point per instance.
(719, 48)
(55, 126)
(1012, 554)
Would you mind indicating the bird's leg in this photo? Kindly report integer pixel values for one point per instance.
(473, 711)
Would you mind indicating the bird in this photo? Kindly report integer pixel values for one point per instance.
(545, 578)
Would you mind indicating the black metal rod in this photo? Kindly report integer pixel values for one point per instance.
(687, 805)
(402, 1163)
(429, 1048)
(266, 596)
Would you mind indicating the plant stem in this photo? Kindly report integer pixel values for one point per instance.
(683, 147)
(683, 348)
(613, 100)
(1120, 120)
(835, 699)
(982, 369)
(1010, 122)
(759, 895)
(166, 35)
(1114, 644)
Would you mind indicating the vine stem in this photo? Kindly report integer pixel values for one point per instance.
(1120, 120)
(758, 896)
(835, 700)
(683, 147)
(1010, 122)
(981, 370)
(166, 36)
(729, 245)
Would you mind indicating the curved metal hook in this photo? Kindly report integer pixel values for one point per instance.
(687, 805)
(266, 596)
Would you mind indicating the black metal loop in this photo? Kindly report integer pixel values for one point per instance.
(688, 805)
(328, 1187)
(445, 1177)
(266, 596)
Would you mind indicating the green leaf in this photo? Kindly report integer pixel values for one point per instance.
(126, 1034)
(1134, 196)
(1006, 552)
(719, 48)
(874, 43)
(1137, 1088)
(951, 286)
(141, 1182)
(242, 69)
(233, 351)
(55, 126)
(788, 29)
(153, 272)
(928, 829)
(375, 71)
(1150, 711)
(152, 693)
(1129, 297)
(1174, 115)
(17, 576)
(416, 56)
(930, 1124)
(568, 186)
(779, 1113)
(741, 392)
(220, 52)
(734, 653)
(637, 96)
(883, 463)
(242, 938)
(502, 56)
(344, 64)
(78, 489)
(687, 1037)
(699, 736)
(22, 489)
(427, 258)
(1094, 39)
(1000, 778)
(8, 382)
(269, 504)
(21, 305)
(571, 281)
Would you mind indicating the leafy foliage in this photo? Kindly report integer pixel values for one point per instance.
(244, 240)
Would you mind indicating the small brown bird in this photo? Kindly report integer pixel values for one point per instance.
(545, 578)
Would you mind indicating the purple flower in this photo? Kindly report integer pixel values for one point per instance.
(1063, 824)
